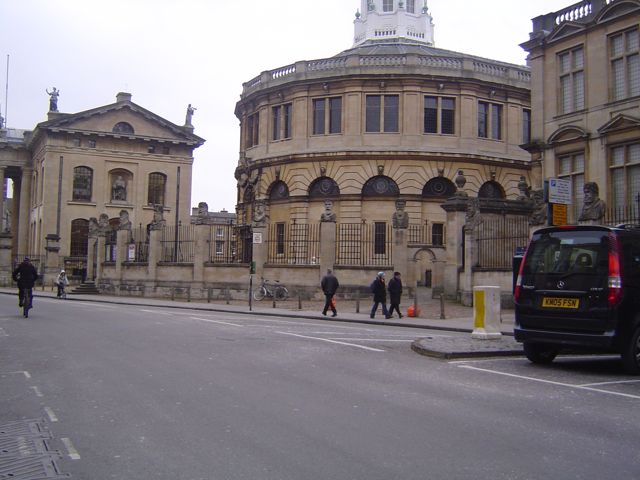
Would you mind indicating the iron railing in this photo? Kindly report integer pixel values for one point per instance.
(140, 238)
(110, 246)
(362, 244)
(178, 244)
(230, 244)
(432, 235)
(293, 244)
(498, 239)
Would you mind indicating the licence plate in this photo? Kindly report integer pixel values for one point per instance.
(556, 302)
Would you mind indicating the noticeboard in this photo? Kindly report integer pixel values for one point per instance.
(559, 214)
(560, 191)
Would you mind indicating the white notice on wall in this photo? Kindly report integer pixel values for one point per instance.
(560, 191)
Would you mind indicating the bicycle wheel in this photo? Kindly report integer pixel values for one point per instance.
(281, 293)
(26, 303)
(259, 294)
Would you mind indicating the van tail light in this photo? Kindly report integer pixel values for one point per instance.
(614, 282)
(518, 288)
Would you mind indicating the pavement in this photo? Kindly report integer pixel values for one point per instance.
(457, 318)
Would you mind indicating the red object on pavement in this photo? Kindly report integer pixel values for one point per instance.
(413, 311)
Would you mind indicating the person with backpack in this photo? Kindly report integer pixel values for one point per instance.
(329, 284)
(395, 294)
(379, 290)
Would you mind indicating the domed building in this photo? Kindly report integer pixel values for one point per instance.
(370, 141)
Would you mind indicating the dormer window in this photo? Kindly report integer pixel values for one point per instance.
(387, 5)
(123, 127)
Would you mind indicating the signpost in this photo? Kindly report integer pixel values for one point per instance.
(560, 196)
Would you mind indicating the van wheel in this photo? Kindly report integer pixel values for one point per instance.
(538, 353)
(631, 354)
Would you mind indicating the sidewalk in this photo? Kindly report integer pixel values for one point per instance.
(457, 319)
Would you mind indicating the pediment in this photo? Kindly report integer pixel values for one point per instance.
(568, 134)
(619, 123)
(565, 30)
(110, 119)
(617, 9)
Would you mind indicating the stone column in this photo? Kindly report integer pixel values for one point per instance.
(327, 246)
(400, 256)
(456, 208)
(201, 254)
(260, 249)
(122, 248)
(91, 258)
(470, 259)
(6, 267)
(155, 253)
(100, 256)
(3, 181)
(25, 209)
(52, 263)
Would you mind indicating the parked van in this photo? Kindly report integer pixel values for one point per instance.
(578, 287)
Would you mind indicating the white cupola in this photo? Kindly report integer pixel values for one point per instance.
(393, 19)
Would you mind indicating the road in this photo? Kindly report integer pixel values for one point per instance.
(132, 392)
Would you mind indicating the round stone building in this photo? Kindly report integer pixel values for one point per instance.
(345, 161)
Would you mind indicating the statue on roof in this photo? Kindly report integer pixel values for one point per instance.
(190, 111)
(53, 99)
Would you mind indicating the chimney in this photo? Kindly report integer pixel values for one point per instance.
(123, 97)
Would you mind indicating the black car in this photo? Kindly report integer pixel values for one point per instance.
(578, 288)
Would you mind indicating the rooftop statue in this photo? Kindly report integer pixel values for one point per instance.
(53, 99)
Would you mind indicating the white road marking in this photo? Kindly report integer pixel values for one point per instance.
(332, 341)
(97, 305)
(3, 333)
(217, 322)
(73, 453)
(550, 382)
(50, 414)
(26, 374)
(609, 383)
(155, 312)
(37, 391)
(404, 340)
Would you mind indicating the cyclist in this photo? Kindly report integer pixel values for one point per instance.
(25, 275)
(61, 282)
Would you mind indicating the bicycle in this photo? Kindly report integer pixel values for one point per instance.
(27, 301)
(273, 290)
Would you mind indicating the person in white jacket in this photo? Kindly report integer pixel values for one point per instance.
(61, 282)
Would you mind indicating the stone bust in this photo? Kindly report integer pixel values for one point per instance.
(400, 218)
(259, 214)
(328, 215)
(125, 223)
(103, 224)
(93, 227)
(539, 214)
(593, 208)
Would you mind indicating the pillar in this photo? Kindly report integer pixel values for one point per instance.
(201, 254)
(155, 253)
(260, 249)
(52, 260)
(327, 246)
(6, 266)
(456, 208)
(91, 258)
(100, 256)
(24, 213)
(3, 181)
(400, 254)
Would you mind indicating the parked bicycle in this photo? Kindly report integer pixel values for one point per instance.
(271, 290)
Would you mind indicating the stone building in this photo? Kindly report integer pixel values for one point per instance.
(116, 161)
(585, 67)
(373, 139)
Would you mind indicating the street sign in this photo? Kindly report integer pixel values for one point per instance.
(559, 214)
(560, 191)
(131, 252)
(257, 237)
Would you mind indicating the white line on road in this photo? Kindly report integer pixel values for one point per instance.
(217, 321)
(50, 414)
(404, 340)
(550, 382)
(333, 341)
(22, 372)
(73, 453)
(37, 391)
(97, 305)
(156, 312)
(609, 383)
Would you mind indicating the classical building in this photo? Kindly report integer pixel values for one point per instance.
(373, 140)
(585, 67)
(120, 162)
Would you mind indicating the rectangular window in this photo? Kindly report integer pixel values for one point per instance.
(483, 119)
(281, 121)
(439, 115)
(490, 120)
(430, 115)
(380, 238)
(624, 52)
(571, 167)
(92, 144)
(252, 133)
(448, 116)
(382, 111)
(437, 234)
(219, 247)
(335, 115)
(276, 114)
(571, 80)
(411, 6)
(288, 118)
(624, 163)
(387, 5)
(526, 126)
(496, 122)
(318, 116)
(327, 115)
(279, 238)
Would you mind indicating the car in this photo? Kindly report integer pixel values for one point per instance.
(578, 289)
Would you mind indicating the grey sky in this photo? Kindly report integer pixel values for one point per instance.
(169, 53)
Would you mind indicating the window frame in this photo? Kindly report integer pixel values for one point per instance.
(252, 134)
(76, 172)
(281, 122)
(490, 120)
(327, 115)
(381, 114)
(439, 112)
(628, 166)
(568, 101)
(624, 59)
(153, 189)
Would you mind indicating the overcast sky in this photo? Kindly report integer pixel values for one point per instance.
(169, 53)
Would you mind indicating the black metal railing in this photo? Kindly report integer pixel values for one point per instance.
(140, 238)
(432, 235)
(362, 244)
(110, 246)
(629, 214)
(293, 244)
(497, 240)
(178, 244)
(230, 244)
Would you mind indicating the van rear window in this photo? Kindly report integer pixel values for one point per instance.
(568, 252)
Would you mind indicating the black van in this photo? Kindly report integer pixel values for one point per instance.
(578, 287)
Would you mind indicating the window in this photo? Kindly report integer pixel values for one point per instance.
(379, 238)
(77, 142)
(219, 247)
(526, 126)
(571, 167)
(252, 133)
(411, 6)
(437, 234)
(157, 182)
(387, 5)
(279, 238)
(151, 149)
(123, 127)
(490, 120)
(570, 66)
(166, 150)
(625, 176)
(439, 115)
(382, 111)
(327, 115)
(624, 51)
(79, 237)
(281, 116)
(92, 144)
(82, 184)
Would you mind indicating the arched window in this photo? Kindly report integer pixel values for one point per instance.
(439, 187)
(491, 189)
(123, 127)
(82, 184)
(278, 191)
(380, 186)
(79, 237)
(157, 185)
(324, 187)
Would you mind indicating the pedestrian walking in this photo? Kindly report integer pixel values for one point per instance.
(61, 282)
(329, 284)
(379, 290)
(395, 294)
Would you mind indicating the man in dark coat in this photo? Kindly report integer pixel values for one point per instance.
(26, 275)
(329, 284)
(379, 290)
(395, 293)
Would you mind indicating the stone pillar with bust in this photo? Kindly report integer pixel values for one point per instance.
(91, 249)
(328, 226)
(259, 229)
(400, 250)
(3, 181)
(201, 255)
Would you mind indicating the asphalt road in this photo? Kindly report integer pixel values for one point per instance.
(149, 393)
